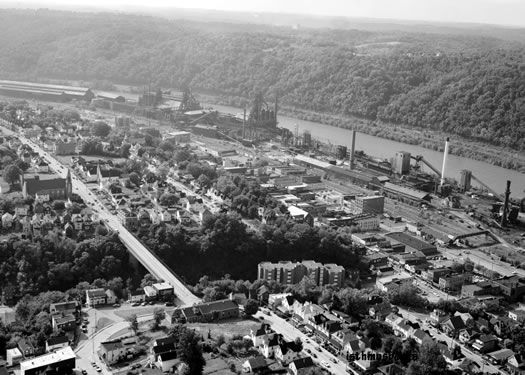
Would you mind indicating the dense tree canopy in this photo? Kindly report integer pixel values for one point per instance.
(460, 84)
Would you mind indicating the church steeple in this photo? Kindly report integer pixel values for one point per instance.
(69, 184)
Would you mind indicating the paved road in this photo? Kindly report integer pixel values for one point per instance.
(283, 327)
(139, 251)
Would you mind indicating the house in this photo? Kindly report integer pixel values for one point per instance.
(467, 335)
(301, 365)
(68, 307)
(453, 325)
(420, 336)
(7, 315)
(403, 329)
(204, 214)
(255, 365)
(111, 297)
(62, 361)
(501, 356)
(275, 300)
(95, 297)
(353, 347)
(380, 311)
(437, 317)
(163, 341)
(137, 296)
(13, 356)
(26, 348)
(516, 365)
(112, 351)
(270, 345)
(485, 343)
(391, 369)
(258, 336)
(66, 322)
(517, 315)
(55, 343)
(166, 361)
(150, 292)
(287, 351)
(468, 320)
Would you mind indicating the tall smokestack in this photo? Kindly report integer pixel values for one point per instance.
(506, 206)
(244, 124)
(353, 150)
(445, 155)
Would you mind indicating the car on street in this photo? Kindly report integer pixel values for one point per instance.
(135, 304)
(308, 350)
(116, 305)
(84, 372)
(314, 355)
(143, 303)
(169, 304)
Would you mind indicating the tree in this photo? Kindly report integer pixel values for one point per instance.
(158, 316)
(134, 178)
(430, 361)
(251, 307)
(59, 205)
(133, 323)
(191, 351)
(12, 174)
(148, 280)
(101, 129)
(168, 199)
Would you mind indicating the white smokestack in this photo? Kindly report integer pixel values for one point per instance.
(445, 154)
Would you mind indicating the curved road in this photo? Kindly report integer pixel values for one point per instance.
(135, 247)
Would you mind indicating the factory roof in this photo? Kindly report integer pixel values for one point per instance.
(412, 193)
(413, 242)
(48, 359)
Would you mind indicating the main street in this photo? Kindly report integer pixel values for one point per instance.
(135, 247)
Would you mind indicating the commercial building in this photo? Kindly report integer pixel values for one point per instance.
(163, 289)
(61, 361)
(286, 272)
(413, 244)
(374, 204)
(454, 282)
(393, 283)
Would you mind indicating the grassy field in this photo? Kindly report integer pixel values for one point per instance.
(103, 322)
(218, 366)
(142, 310)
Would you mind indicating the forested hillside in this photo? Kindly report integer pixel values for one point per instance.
(459, 84)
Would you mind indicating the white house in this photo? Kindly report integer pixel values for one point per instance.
(112, 351)
(137, 296)
(287, 352)
(13, 356)
(96, 297)
(259, 335)
(166, 361)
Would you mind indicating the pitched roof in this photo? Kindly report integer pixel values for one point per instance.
(456, 322)
(35, 185)
(57, 340)
(166, 356)
(217, 306)
(257, 362)
(164, 348)
(111, 345)
(303, 362)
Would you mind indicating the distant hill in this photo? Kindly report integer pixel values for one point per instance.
(454, 80)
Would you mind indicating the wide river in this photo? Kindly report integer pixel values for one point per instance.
(491, 175)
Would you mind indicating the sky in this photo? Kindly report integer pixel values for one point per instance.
(500, 12)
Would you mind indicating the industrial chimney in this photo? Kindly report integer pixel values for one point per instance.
(445, 155)
(353, 150)
(506, 206)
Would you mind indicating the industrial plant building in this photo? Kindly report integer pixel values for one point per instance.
(40, 91)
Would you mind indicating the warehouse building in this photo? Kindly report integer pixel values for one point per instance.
(40, 91)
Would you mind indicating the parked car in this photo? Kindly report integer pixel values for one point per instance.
(116, 305)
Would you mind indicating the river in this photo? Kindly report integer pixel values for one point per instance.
(491, 175)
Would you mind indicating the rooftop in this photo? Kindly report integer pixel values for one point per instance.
(48, 359)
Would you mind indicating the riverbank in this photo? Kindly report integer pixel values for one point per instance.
(429, 139)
